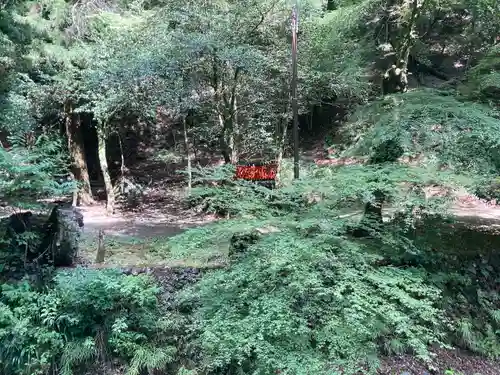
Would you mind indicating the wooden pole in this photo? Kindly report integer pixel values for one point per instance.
(101, 249)
(295, 109)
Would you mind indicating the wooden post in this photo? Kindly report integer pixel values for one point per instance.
(101, 250)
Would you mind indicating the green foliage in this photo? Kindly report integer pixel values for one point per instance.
(488, 189)
(437, 125)
(239, 197)
(305, 306)
(484, 79)
(86, 316)
(34, 171)
(35, 165)
(307, 298)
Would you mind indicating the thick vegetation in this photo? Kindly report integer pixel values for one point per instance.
(327, 274)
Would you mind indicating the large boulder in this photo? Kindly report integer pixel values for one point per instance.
(34, 240)
(61, 236)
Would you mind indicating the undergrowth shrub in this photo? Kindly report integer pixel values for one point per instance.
(306, 297)
(32, 171)
(312, 305)
(86, 317)
(237, 196)
(488, 189)
(443, 127)
(217, 192)
(309, 298)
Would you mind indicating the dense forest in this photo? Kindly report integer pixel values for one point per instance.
(359, 266)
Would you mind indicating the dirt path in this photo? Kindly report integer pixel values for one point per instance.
(163, 215)
(131, 236)
(139, 224)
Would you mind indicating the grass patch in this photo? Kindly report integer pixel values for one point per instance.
(206, 244)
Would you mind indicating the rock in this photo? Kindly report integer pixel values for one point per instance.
(266, 230)
(55, 241)
(62, 232)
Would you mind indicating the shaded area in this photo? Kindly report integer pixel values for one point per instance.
(454, 361)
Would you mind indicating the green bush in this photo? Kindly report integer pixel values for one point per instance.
(218, 193)
(488, 189)
(310, 305)
(309, 298)
(87, 316)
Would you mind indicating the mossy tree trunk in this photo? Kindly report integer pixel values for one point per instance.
(103, 162)
(408, 39)
(76, 149)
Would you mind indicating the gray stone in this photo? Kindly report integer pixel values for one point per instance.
(62, 232)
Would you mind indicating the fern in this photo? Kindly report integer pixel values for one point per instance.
(77, 353)
(151, 359)
(484, 79)
(84, 317)
(28, 174)
(446, 131)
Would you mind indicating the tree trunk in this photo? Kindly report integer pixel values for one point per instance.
(406, 45)
(188, 154)
(401, 31)
(228, 139)
(234, 136)
(233, 153)
(224, 146)
(226, 112)
(103, 162)
(123, 168)
(77, 152)
(61, 238)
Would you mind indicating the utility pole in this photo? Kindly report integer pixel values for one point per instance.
(295, 109)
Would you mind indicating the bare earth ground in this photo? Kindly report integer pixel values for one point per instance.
(129, 235)
(445, 362)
